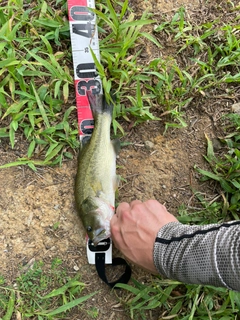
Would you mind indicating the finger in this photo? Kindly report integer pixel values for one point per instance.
(135, 202)
(122, 207)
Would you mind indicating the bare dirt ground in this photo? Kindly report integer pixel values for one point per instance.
(31, 204)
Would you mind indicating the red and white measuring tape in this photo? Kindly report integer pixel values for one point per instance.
(84, 34)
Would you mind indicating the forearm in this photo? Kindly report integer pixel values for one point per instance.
(208, 255)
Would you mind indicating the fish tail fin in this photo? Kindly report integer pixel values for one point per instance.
(98, 104)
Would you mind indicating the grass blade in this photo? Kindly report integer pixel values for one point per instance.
(41, 106)
(63, 289)
(69, 305)
(10, 307)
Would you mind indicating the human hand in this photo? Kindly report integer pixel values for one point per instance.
(134, 228)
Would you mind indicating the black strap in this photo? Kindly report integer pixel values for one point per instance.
(100, 267)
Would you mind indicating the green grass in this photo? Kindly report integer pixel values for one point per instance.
(35, 81)
(173, 300)
(165, 84)
(43, 294)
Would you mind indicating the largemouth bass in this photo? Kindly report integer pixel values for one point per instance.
(96, 180)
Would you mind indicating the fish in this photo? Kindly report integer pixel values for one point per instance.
(96, 179)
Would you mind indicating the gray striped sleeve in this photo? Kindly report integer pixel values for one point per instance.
(208, 255)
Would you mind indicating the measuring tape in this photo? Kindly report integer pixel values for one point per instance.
(84, 34)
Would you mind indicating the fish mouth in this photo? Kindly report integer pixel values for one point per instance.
(99, 236)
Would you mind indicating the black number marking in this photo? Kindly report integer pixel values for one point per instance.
(79, 13)
(91, 73)
(87, 126)
(86, 30)
(93, 85)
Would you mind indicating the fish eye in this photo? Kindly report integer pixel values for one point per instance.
(89, 228)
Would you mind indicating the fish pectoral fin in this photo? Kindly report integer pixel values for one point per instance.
(99, 194)
(116, 145)
(97, 187)
(116, 182)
